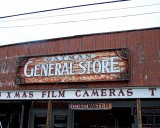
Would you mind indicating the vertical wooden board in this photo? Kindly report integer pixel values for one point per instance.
(134, 43)
(49, 115)
(12, 51)
(108, 84)
(9, 82)
(1, 81)
(22, 50)
(131, 38)
(118, 40)
(158, 46)
(74, 44)
(122, 40)
(51, 86)
(92, 85)
(139, 115)
(4, 53)
(103, 41)
(151, 43)
(101, 85)
(34, 86)
(73, 85)
(84, 85)
(151, 73)
(34, 49)
(47, 47)
(113, 40)
(118, 84)
(47, 86)
(88, 43)
(9, 67)
(149, 57)
(60, 46)
(25, 87)
(62, 86)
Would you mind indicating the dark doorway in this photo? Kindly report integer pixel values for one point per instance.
(10, 114)
(115, 118)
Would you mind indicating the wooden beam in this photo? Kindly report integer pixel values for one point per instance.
(139, 117)
(22, 116)
(49, 115)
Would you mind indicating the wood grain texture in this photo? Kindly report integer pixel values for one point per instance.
(144, 46)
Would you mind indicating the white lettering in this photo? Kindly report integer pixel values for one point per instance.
(98, 67)
(36, 68)
(113, 63)
(51, 70)
(44, 70)
(65, 69)
(25, 69)
(88, 66)
(57, 69)
(109, 65)
(105, 66)
(81, 65)
(71, 67)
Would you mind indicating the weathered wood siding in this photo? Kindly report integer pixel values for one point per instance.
(144, 46)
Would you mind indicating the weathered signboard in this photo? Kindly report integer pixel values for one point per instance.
(91, 106)
(106, 65)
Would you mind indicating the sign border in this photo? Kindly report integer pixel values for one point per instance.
(122, 52)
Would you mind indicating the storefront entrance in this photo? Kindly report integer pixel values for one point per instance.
(83, 119)
(60, 119)
(123, 114)
(104, 118)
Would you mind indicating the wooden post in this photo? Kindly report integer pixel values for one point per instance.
(139, 117)
(49, 115)
(22, 116)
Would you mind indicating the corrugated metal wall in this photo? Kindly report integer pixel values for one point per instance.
(144, 46)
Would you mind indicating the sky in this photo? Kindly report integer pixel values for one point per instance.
(100, 18)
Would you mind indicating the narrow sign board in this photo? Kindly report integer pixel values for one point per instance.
(108, 65)
(98, 93)
(91, 106)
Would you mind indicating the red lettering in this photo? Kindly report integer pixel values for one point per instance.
(30, 94)
(103, 92)
(85, 93)
(9, 94)
(61, 93)
(112, 92)
(129, 92)
(121, 93)
(24, 95)
(73, 106)
(43, 94)
(76, 93)
(92, 106)
(95, 93)
(17, 95)
(152, 91)
(48, 94)
(53, 94)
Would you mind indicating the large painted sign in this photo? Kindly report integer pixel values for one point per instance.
(63, 94)
(106, 65)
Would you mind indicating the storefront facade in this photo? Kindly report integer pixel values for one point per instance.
(108, 80)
